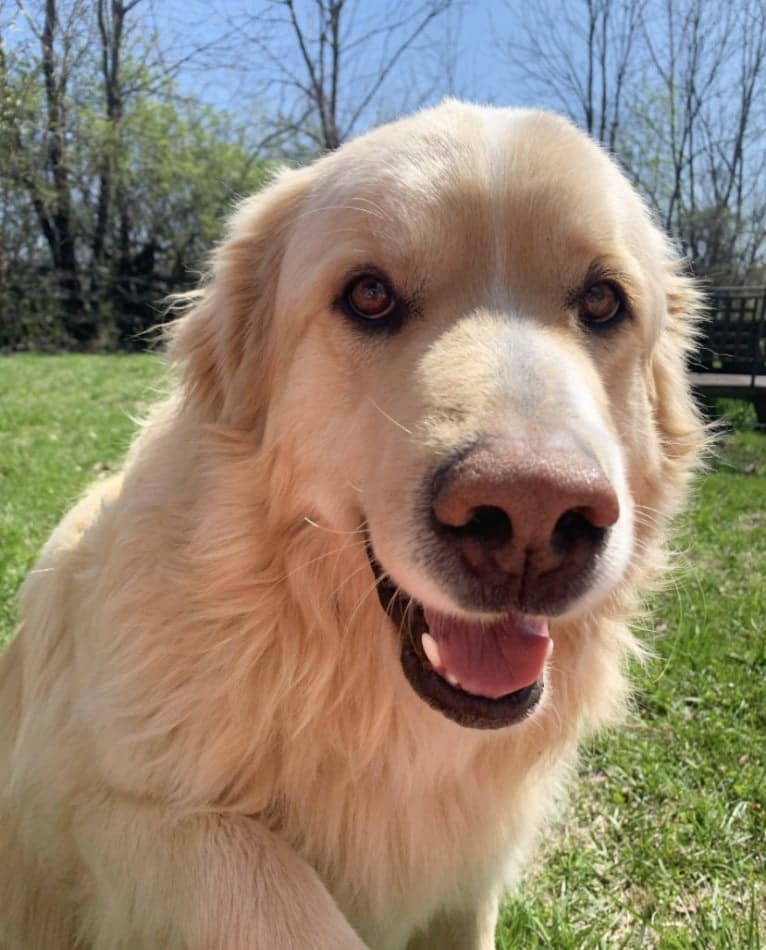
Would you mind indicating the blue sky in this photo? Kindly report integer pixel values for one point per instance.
(465, 53)
(476, 28)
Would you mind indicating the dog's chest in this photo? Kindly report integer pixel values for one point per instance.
(395, 851)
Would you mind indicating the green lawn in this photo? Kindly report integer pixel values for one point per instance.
(664, 841)
(63, 420)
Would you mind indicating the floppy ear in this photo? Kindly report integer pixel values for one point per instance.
(224, 339)
(682, 430)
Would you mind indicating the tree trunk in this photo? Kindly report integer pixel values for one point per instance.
(78, 322)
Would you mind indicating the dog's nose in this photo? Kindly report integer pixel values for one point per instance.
(531, 511)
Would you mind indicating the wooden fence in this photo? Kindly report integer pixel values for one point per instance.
(731, 359)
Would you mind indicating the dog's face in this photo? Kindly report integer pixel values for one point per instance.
(465, 313)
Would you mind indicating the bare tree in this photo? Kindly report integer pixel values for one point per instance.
(687, 51)
(329, 62)
(579, 57)
(702, 129)
(733, 142)
(677, 90)
(111, 16)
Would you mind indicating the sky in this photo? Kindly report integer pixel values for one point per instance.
(228, 54)
(472, 34)
(462, 55)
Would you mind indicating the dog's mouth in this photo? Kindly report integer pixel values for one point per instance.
(483, 674)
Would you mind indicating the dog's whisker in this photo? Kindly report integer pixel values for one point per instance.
(323, 209)
(361, 601)
(352, 545)
(322, 527)
(346, 580)
(390, 418)
(410, 633)
(345, 230)
(362, 199)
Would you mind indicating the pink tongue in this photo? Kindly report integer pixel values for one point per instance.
(491, 659)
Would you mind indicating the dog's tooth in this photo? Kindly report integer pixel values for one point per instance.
(452, 680)
(431, 650)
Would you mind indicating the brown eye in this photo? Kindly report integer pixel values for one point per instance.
(601, 303)
(369, 298)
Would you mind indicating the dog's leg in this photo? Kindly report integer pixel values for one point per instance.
(465, 929)
(209, 882)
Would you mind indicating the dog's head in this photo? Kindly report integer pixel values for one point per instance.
(462, 334)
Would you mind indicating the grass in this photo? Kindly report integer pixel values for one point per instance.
(63, 420)
(664, 841)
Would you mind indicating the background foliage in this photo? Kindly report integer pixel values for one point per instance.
(114, 184)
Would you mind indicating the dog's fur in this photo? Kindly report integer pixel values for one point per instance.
(206, 738)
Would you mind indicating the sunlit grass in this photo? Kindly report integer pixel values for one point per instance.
(63, 421)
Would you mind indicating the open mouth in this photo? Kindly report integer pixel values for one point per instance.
(483, 674)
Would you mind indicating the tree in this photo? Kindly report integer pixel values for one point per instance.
(704, 122)
(580, 57)
(328, 62)
(111, 16)
(180, 171)
(677, 90)
(45, 166)
(111, 188)
(41, 164)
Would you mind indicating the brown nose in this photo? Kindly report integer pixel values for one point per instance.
(529, 515)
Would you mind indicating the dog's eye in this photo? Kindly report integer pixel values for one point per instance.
(368, 298)
(601, 304)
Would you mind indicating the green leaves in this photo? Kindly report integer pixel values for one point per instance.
(137, 195)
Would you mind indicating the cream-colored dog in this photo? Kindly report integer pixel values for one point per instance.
(309, 671)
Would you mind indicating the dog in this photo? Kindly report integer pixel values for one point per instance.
(311, 670)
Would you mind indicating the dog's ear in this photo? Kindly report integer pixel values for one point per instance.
(682, 430)
(223, 340)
